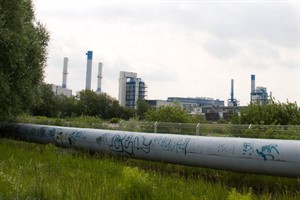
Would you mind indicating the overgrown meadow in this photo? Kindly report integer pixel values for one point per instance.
(35, 171)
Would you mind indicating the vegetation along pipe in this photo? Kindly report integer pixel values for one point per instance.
(261, 156)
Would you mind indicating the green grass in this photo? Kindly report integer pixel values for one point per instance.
(35, 171)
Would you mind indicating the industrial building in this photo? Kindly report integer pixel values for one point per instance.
(188, 102)
(131, 89)
(258, 95)
(59, 90)
(159, 103)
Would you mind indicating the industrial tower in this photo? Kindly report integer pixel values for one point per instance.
(258, 95)
(131, 89)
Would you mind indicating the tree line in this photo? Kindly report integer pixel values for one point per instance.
(84, 103)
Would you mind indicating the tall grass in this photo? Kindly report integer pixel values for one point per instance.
(34, 171)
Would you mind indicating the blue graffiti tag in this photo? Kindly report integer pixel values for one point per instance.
(266, 151)
(248, 148)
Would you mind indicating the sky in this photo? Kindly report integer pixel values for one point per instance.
(180, 48)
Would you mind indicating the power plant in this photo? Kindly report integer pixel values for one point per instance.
(258, 95)
(132, 89)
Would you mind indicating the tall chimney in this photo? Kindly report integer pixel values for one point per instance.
(65, 73)
(252, 83)
(89, 70)
(232, 90)
(99, 77)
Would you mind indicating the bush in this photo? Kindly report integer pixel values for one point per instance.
(114, 120)
(137, 184)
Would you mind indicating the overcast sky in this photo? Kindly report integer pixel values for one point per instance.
(179, 48)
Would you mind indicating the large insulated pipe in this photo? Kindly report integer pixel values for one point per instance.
(65, 73)
(99, 77)
(89, 70)
(261, 156)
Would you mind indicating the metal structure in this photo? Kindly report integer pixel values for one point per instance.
(89, 70)
(65, 73)
(259, 94)
(232, 101)
(99, 83)
(261, 156)
(131, 89)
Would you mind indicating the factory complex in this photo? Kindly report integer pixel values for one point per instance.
(132, 88)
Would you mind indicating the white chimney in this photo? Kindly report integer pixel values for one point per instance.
(99, 77)
(65, 73)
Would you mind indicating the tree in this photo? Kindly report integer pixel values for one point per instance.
(67, 106)
(142, 107)
(48, 105)
(23, 43)
(100, 105)
(168, 114)
(271, 114)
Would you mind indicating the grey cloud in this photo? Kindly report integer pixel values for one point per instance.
(273, 22)
(222, 49)
(160, 75)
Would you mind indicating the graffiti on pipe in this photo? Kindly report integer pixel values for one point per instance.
(130, 145)
(123, 143)
(65, 138)
(248, 148)
(267, 152)
(178, 145)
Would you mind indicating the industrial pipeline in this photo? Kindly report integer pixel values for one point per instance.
(260, 156)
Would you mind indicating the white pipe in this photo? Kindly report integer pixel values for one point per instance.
(261, 156)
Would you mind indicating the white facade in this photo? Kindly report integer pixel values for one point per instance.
(59, 90)
(131, 89)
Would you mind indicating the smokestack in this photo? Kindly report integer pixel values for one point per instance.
(89, 70)
(232, 90)
(99, 77)
(65, 73)
(252, 83)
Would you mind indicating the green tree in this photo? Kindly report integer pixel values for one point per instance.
(23, 43)
(67, 106)
(168, 114)
(48, 105)
(274, 113)
(100, 105)
(142, 107)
